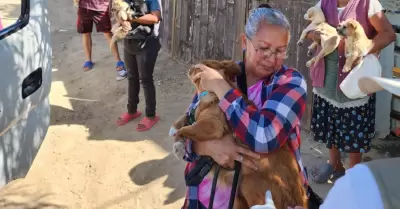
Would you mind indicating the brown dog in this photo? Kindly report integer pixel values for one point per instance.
(357, 43)
(278, 171)
(330, 39)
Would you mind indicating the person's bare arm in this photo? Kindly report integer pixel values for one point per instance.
(149, 19)
(386, 34)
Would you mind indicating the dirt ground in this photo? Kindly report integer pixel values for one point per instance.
(86, 161)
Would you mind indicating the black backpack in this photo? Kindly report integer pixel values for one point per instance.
(140, 32)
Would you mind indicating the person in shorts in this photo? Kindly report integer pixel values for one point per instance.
(97, 12)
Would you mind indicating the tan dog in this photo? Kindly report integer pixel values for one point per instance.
(330, 39)
(76, 3)
(122, 12)
(357, 44)
(278, 171)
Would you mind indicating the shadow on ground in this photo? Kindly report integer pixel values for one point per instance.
(148, 171)
(389, 147)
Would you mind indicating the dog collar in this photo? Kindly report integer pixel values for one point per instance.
(203, 94)
(192, 110)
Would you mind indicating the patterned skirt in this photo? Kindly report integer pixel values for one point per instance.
(347, 129)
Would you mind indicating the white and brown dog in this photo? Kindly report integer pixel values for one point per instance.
(330, 39)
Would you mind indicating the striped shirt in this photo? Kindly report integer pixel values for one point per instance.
(264, 128)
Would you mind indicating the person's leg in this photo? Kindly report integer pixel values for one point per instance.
(326, 131)
(335, 160)
(87, 45)
(355, 158)
(114, 47)
(133, 87)
(84, 26)
(364, 119)
(103, 25)
(146, 62)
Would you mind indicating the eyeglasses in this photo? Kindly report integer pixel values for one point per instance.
(267, 52)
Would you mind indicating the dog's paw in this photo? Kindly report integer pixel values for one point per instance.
(300, 43)
(178, 148)
(309, 63)
(346, 69)
(172, 131)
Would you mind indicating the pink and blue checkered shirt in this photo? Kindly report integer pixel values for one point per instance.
(264, 128)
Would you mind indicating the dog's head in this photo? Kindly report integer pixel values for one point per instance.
(348, 28)
(119, 5)
(315, 14)
(139, 8)
(227, 68)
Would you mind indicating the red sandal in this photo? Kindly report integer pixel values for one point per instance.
(147, 123)
(126, 117)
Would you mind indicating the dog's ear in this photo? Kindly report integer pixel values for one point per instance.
(231, 69)
(228, 68)
(352, 24)
(310, 13)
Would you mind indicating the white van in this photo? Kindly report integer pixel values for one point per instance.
(25, 79)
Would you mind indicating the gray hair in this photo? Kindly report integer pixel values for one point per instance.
(269, 16)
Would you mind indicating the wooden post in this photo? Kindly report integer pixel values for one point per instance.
(173, 27)
(241, 11)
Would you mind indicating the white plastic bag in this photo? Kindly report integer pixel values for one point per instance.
(369, 66)
(269, 203)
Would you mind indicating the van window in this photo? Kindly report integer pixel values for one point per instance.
(14, 15)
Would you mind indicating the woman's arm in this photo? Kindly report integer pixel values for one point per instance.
(149, 19)
(386, 34)
(266, 129)
(154, 16)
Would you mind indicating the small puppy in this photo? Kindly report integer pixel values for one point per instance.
(122, 12)
(140, 31)
(357, 44)
(278, 170)
(329, 36)
(210, 120)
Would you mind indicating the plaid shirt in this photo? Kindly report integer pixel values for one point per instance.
(263, 128)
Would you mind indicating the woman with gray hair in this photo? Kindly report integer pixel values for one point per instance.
(279, 97)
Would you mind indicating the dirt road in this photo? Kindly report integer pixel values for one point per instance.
(86, 161)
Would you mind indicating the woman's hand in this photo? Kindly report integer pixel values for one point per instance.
(225, 151)
(212, 80)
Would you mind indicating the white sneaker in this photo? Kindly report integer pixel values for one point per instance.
(121, 75)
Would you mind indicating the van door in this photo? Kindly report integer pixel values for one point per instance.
(25, 79)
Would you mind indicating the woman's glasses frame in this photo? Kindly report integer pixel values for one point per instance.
(267, 52)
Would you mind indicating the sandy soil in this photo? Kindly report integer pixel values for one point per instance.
(9, 12)
(86, 161)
